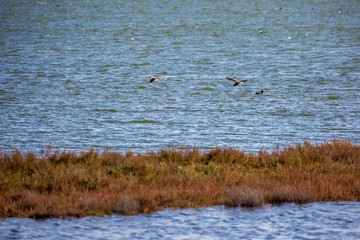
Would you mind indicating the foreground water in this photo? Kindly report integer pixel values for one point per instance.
(71, 73)
(311, 221)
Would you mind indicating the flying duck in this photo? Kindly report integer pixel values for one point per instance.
(237, 82)
(152, 78)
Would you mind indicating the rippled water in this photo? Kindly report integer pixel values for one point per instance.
(310, 221)
(71, 73)
(71, 76)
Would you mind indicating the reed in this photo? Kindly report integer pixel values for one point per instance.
(69, 184)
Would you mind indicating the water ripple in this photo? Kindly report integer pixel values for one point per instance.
(71, 74)
(317, 220)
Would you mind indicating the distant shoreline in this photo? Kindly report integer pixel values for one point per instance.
(69, 184)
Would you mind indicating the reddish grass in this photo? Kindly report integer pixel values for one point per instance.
(244, 197)
(70, 184)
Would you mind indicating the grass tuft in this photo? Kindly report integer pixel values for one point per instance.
(244, 197)
(288, 194)
(127, 206)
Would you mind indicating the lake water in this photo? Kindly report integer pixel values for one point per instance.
(71, 73)
(71, 77)
(311, 221)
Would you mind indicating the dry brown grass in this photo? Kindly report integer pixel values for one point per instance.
(288, 194)
(126, 205)
(244, 197)
(61, 184)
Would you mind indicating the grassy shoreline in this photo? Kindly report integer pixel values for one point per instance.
(69, 184)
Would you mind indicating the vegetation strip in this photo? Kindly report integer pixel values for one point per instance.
(69, 184)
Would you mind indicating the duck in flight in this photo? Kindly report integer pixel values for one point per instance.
(261, 92)
(152, 78)
(237, 82)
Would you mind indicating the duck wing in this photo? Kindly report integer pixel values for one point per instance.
(148, 75)
(233, 79)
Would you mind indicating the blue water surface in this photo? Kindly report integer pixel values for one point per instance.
(71, 74)
(311, 221)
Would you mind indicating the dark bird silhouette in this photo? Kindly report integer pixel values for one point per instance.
(152, 78)
(236, 82)
(261, 92)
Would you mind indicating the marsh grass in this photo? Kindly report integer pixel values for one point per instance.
(126, 205)
(70, 184)
(244, 197)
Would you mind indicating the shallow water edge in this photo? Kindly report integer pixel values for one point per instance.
(321, 220)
